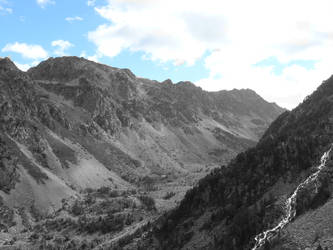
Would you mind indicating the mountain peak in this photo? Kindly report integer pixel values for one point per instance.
(7, 64)
(68, 68)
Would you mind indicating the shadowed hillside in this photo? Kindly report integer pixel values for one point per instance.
(233, 204)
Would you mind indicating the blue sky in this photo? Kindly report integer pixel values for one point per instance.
(32, 23)
(215, 44)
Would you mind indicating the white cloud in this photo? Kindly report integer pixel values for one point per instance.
(26, 66)
(43, 3)
(4, 9)
(153, 28)
(235, 34)
(29, 51)
(93, 58)
(91, 2)
(75, 18)
(61, 47)
(23, 67)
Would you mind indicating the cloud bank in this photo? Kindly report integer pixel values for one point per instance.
(236, 36)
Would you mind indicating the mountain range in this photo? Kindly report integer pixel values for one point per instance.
(72, 130)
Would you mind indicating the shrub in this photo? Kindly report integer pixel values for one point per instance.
(168, 195)
(148, 202)
(103, 190)
(114, 193)
(148, 183)
(77, 208)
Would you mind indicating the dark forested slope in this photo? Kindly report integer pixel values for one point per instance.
(238, 201)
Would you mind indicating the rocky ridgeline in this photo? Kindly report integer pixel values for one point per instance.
(127, 97)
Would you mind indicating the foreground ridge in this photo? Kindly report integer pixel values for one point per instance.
(291, 203)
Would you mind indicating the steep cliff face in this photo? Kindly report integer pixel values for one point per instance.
(69, 127)
(233, 204)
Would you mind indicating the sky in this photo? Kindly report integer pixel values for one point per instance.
(282, 49)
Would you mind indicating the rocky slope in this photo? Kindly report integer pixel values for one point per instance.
(276, 195)
(70, 125)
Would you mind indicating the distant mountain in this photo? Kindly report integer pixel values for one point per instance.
(276, 195)
(69, 127)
